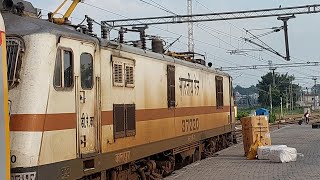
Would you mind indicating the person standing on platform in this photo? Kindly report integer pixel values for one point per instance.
(307, 117)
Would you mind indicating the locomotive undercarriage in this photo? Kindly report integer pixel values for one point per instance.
(163, 164)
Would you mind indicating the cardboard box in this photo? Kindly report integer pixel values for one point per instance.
(254, 121)
(250, 133)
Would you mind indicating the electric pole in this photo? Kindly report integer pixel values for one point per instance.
(287, 105)
(272, 68)
(291, 93)
(281, 112)
(270, 92)
(314, 91)
(291, 97)
(285, 28)
(190, 27)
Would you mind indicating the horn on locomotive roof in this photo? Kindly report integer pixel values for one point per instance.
(19, 7)
(64, 19)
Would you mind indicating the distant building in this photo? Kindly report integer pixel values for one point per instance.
(246, 100)
(307, 100)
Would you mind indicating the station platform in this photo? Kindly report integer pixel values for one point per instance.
(231, 163)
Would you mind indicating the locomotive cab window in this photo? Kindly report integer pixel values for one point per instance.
(63, 72)
(219, 92)
(15, 49)
(86, 67)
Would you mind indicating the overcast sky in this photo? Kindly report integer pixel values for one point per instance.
(214, 39)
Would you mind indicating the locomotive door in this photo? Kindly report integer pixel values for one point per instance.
(86, 89)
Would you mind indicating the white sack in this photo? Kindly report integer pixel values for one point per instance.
(283, 154)
(264, 151)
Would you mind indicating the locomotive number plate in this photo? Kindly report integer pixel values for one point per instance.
(123, 157)
(189, 125)
(23, 176)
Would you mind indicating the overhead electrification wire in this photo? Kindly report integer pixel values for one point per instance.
(203, 42)
(103, 9)
(155, 27)
(228, 23)
(202, 28)
(218, 58)
(256, 36)
(169, 11)
(159, 7)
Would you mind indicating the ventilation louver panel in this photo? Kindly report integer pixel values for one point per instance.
(118, 120)
(129, 76)
(130, 120)
(118, 74)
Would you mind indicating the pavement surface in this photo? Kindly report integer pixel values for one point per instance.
(231, 163)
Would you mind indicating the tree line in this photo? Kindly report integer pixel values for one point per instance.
(280, 86)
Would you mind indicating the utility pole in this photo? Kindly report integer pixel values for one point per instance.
(302, 96)
(272, 68)
(281, 112)
(285, 28)
(307, 96)
(291, 95)
(270, 92)
(190, 27)
(287, 105)
(314, 91)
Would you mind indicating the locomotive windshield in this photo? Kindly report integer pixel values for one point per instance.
(14, 52)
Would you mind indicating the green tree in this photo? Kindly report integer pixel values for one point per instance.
(245, 91)
(317, 88)
(281, 88)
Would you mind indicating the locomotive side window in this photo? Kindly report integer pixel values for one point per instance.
(219, 92)
(123, 72)
(57, 81)
(118, 74)
(67, 69)
(124, 120)
(63, 72)
(171, 93)
(129, 75)
(86, 66)
(15, 49)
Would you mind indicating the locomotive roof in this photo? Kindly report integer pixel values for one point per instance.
(158, 56)
(23, 25)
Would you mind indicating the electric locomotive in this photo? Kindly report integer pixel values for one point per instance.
(84, 107)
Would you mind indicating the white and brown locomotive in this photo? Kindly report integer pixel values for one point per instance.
(83, 107)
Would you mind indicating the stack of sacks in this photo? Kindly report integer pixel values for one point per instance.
(283, 155)
(278, 153)
(264, 151)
